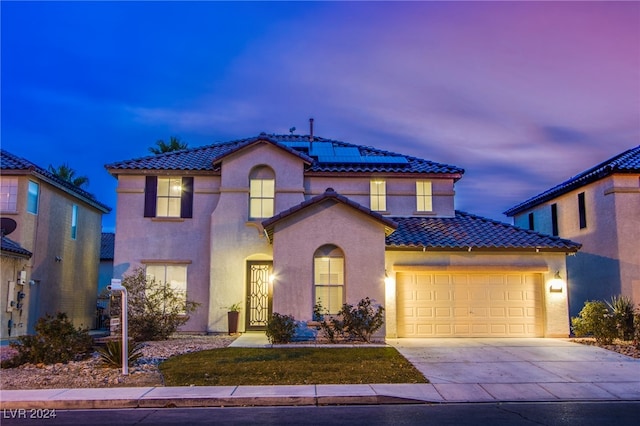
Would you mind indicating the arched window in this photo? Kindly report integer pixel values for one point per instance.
(262, 193)
(328, 277)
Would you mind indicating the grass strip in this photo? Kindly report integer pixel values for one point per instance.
(289, 366)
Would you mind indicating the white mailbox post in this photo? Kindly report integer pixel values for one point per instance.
(116, 285)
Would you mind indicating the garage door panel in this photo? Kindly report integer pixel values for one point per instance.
(470, 304)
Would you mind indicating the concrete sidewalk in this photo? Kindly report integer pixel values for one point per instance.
(459, 370)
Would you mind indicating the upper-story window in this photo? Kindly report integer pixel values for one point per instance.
(168, 197)
(33, 194)
(9, 194)
(262, 192)
(531, 222)
(424, 198)
(74, 221)
(582, 211)
(328, 273)
(554, 220)
(378, 194)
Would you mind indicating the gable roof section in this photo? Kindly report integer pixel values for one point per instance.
(627, 162)
(11, 162)
(466, 231)
(11, 247)
(329, 194)
(107, 245)
(322, 156)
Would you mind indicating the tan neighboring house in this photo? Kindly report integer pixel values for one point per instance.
(599, 208)
(280, 222)
(60, 224)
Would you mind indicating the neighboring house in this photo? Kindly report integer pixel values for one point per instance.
(599, 208)
(105, 271)
(279, 222)
(61, 225)
(14, 287)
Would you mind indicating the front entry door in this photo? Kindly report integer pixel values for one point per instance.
(258, 294)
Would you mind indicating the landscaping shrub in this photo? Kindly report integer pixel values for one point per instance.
(623, 309)
(56, 340)
(358, 322)
(155, 310)
(111, 353)
(595, 320)
(280, 328)
(636, 330)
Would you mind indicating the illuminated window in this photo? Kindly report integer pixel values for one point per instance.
(378, 194)
(169, 196)
(262, 186)
(328, 273)
(424, 202)
(8, 194)
(32, 197)
(172, 276)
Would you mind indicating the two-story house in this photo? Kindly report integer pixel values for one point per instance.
(60, 224)
(599, 208)
(280, 222)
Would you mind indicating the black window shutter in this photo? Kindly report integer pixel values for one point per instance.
(186, 201)
(150, 196)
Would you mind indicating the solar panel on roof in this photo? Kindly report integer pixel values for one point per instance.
(321, 149)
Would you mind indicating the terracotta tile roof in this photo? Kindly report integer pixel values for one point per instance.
(11, 246)
(627, 162)
(11, 162)
(107, 245)
(361, 158)
(329, 194)
(466, 231)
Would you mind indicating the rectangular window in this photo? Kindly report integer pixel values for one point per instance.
(174, 277)
(531, 224)
(74, 221)
(582, 211)
(378, 194)
(329, 282)
(261, 198)
(8, 194)
(554, 220)
(33, 194)
(168, 197)
(424, 196)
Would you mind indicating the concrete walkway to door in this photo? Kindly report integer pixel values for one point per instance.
(527, 369)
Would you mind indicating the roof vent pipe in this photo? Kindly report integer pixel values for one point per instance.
(311, 130)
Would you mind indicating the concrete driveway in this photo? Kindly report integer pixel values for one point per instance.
(527, 369)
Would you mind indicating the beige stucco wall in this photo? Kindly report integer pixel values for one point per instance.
(296, 239)
(10, 266)
(608, 263)
(556, 320)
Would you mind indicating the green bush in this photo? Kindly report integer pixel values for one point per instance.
(155, 310)
(358, 322)
(56, 340)
(111, 353)
(595, 320)
(623, 309)
(280, 328)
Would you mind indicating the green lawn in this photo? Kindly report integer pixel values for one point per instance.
(289, 366)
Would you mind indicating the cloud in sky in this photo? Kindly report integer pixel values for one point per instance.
(520, 94)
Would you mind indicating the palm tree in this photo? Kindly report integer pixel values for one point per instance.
(175, 144)
(66, 173)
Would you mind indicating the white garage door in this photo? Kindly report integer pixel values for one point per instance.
(443, 304)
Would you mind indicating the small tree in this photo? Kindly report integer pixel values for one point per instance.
(280, 328)
(155, 309)
(595, 320)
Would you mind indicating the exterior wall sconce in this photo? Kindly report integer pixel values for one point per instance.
(556, 284)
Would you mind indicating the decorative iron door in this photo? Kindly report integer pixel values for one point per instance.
(258, 294)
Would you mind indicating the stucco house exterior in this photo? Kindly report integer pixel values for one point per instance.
(60, 224)
(600, 209)
(279, 222)
(13, 262)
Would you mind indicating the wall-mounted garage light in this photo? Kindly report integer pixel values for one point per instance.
(556, 285)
